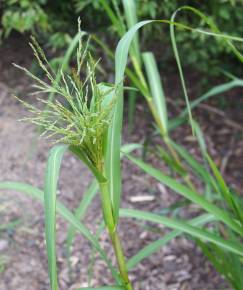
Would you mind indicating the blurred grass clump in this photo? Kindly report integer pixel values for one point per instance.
(53, 22)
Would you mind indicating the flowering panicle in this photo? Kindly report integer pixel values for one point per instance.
(81, 111)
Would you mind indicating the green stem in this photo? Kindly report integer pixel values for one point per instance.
(186, 178)
(112, 230)
(121, 261)
(107, 207)
(166, 139)
(149, 99)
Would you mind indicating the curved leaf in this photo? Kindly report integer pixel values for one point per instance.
(80, 212)
(113, 167)
(156, 89)
(189, 194)
(156, 245)
(67, 215)
(204, 235)
(219, 89)
(50, 189)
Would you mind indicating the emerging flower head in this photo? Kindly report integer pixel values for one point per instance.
(81, 110)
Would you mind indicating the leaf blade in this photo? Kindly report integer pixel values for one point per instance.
(154, 246)
(185, 227)
(156, 89)
(189, 194)
(50, 188)
(66, 214)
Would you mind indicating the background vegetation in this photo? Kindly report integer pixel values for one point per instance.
(53, 22)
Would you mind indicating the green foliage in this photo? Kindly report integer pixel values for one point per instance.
(205, 54)
(50, 20)
(196, 50)
(87, 116)
(55, 23)
(24, 15)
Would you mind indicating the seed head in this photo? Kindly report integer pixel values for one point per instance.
(81, 110)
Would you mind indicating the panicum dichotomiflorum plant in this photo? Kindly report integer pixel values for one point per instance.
(79, 116)
(86, 116)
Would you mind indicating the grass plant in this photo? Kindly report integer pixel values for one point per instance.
(78, 117)
(86, 117)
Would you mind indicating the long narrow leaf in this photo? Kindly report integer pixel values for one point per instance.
(223, 189)
(194, 164)
(66, 214)
(114, 19)
(156, 89)
(204, 235)
(212, 26)
(113, 167)
(50, 189)
(189, 194)
(80, 212)
(156, 245)
(178, 61)
(217, 90)
(131, 19)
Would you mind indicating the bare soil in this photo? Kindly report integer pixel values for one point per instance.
(178, 265)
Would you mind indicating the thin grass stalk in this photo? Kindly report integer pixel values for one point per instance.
(179, 162)
(113, 233)
(157, 105)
